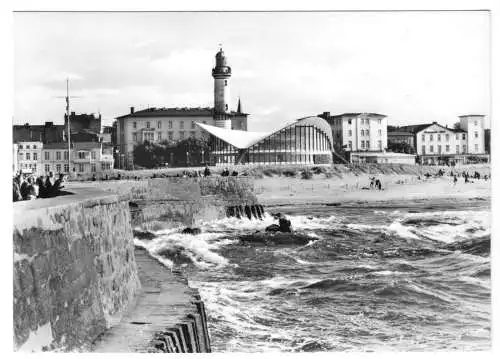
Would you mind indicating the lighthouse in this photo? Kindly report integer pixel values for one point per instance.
(221, 74)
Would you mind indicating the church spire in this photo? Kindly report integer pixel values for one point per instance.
(238, 110)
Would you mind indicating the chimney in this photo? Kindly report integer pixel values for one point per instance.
(132, 109)
(326, 114)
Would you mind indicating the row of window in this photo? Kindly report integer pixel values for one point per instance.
(365, 145)
(170, 124)
(81, 155)
(447, 149)
(447, 136)
(80, 167)
(27, 147)
(149, 136)
(364, 133)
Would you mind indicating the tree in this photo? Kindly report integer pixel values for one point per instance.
(456, 126)
(400, 147)
(148, 154)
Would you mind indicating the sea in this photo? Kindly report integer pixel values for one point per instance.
(392, 276)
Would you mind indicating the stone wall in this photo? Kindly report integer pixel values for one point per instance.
(172, 202)
(74, 269)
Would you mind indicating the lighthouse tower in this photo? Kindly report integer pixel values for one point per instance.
(221, 74)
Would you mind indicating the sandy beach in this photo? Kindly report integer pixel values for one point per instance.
(282, 191)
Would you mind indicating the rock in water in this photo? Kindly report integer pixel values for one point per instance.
(273, 228)
(192, 231)
(144, 235)
(285, 225)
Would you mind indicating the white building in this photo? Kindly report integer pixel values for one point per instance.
(354, 132)
(29, 156)
(176, 124)
(437, 144)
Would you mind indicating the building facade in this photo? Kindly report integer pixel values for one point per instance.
(381, 157)
(354, 132)
(305, 141)
(29, 155)
(176, 124)
(437, 144)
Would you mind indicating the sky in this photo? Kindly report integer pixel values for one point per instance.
(414, 67)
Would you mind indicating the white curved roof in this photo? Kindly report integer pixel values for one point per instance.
(245, 139)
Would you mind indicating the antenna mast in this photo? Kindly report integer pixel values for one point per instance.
(69, 131)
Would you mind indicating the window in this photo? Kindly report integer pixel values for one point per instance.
(380, 145)
(93, 167)
(34, 147)
(93, 155)
(367, 145)
(134, 137)
(182, 124)
(170, 135)
(362, 121)
(21, 156)
(170, 124)
(148, 124)
(350, 133)
(457, 149)
(27, 147)
(158, 125)
(476, 147)
(105, 166)
(367, 121)
(439, 148)
(431, 137)
(66, 168)
(431, 149)
(457, 137)
(159, 136)
(35, 156)
(227, 107)
(423, 150)
(439, 137)
(58, 168)
(47, 155)
(475, 123)
(181, 135)
(81, 155)
(350, 145)
(447, 148)
(66, 155)
(28, 156)
(81, 167)
(225, 82)
(464, 149)
(58, 155)
(447, 137)
(380, 132)
(349, 121)
(362, 132)
(47, 168)
(368, 132)
(423, 137)
(193, 126)
(134, 125)
(463, 136)
(379, 121)
(476, 134)
(363, 144)
(20, 147)
(192, 134)
(34, 167)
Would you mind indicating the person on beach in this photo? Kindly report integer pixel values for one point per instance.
(16, 190)
(32, 189)
(207, 171)
(455, 180)
(372, 182)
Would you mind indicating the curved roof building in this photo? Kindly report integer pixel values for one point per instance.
(304, 141)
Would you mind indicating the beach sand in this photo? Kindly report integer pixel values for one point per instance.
(275, 191)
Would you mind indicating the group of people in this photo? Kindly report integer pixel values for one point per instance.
(225, 173)
(375, 183)
(30, 187)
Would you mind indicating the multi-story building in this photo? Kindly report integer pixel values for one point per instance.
(355, 132)
(55, 158)
(177, 124)
(29, 155)
(437, 144)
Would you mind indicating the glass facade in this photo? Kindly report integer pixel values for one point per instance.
(300, 143)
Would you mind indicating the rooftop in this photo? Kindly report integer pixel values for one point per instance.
(175, 112)
(353, 114)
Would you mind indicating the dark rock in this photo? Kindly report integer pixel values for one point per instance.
(273, 228)
(277, 215)
(192, 231)
(144, 235)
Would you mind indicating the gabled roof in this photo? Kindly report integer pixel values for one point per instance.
(176, 112)
(417, 128)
